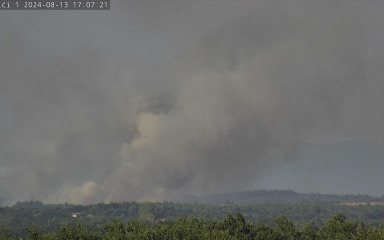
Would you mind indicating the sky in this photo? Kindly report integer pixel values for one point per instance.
(158, 100)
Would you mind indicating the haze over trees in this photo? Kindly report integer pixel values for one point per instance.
(304, 214)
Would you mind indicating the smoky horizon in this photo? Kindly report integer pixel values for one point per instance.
(159, 100)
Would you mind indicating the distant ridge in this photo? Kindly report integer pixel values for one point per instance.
(281, 196)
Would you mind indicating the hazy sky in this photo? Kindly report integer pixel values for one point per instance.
(155, 100)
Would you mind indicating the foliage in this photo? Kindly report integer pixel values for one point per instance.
(232, 227)
(303, 219)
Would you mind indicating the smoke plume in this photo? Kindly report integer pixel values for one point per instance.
(155, 100)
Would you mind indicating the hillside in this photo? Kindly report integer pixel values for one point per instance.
(282, 196)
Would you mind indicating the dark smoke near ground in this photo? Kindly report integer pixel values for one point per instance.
(156, 100)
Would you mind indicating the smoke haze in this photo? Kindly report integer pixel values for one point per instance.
(155, 100)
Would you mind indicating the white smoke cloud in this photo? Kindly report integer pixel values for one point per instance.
(188, 97)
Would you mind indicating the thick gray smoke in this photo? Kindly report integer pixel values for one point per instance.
(155, 100)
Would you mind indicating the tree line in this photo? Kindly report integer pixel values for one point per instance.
(232, 227)
(50, 218)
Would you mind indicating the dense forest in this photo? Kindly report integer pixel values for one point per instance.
(313, 215)
(234, 227)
